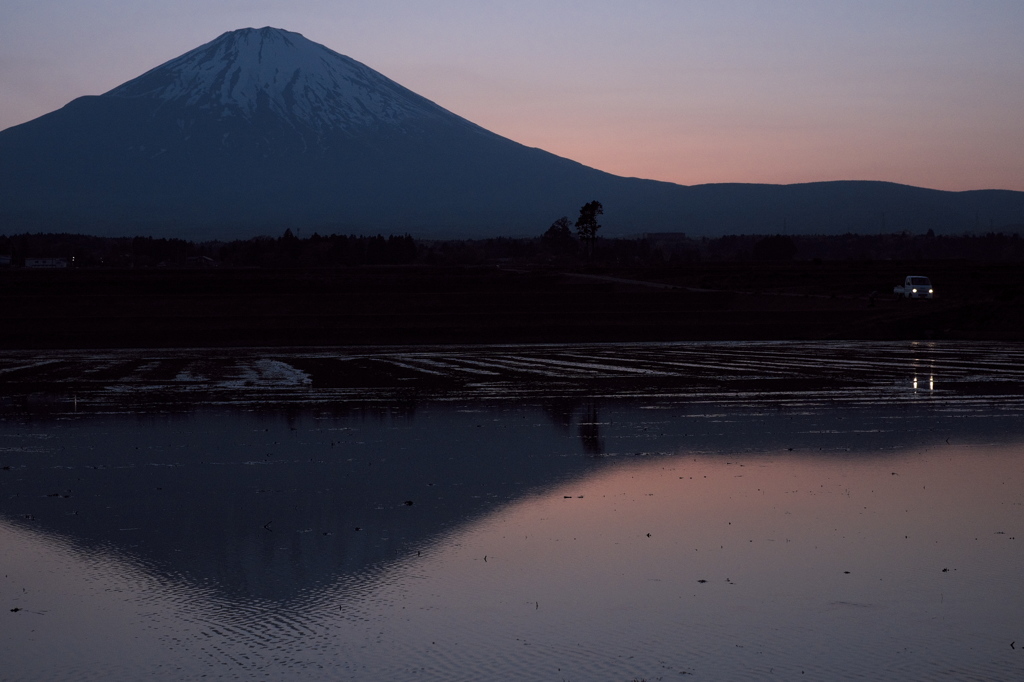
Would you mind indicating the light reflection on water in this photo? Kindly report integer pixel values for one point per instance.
(562, 538)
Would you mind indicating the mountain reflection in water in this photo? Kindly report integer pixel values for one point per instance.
(560, 534)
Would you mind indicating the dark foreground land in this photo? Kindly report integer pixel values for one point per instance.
(223, 307)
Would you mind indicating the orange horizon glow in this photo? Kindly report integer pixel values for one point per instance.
(924, 92)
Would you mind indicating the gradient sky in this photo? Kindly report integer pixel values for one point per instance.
(922, 92)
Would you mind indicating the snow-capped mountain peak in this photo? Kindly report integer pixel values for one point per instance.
(248, 71)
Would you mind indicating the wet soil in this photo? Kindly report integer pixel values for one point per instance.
(953, 375)
(503, 304)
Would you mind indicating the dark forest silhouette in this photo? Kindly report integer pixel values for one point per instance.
(556, 247)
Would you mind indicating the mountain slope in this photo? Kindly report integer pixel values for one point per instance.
(261, 129)
(252, 72)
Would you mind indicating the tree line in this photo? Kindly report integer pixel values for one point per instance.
(286, 251)
(559, 246)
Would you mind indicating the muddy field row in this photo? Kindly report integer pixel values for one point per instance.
(742, 372)
(489, 304)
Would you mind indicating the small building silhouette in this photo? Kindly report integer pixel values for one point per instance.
(46, 263)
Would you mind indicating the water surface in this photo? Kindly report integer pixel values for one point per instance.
(631, 511)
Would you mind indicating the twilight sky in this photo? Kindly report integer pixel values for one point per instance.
(922, 92)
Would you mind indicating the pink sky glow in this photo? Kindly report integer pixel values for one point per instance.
(921, 92)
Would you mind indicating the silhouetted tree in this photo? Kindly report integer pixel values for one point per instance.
(559, 229)
(559, 237)
(587, 225)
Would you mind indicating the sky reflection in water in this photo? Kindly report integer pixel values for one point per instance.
(563, 539)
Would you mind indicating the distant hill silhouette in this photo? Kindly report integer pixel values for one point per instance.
(262, 130)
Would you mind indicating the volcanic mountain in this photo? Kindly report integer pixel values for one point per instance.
(262, 130)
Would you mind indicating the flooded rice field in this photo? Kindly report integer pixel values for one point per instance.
(614, 512)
